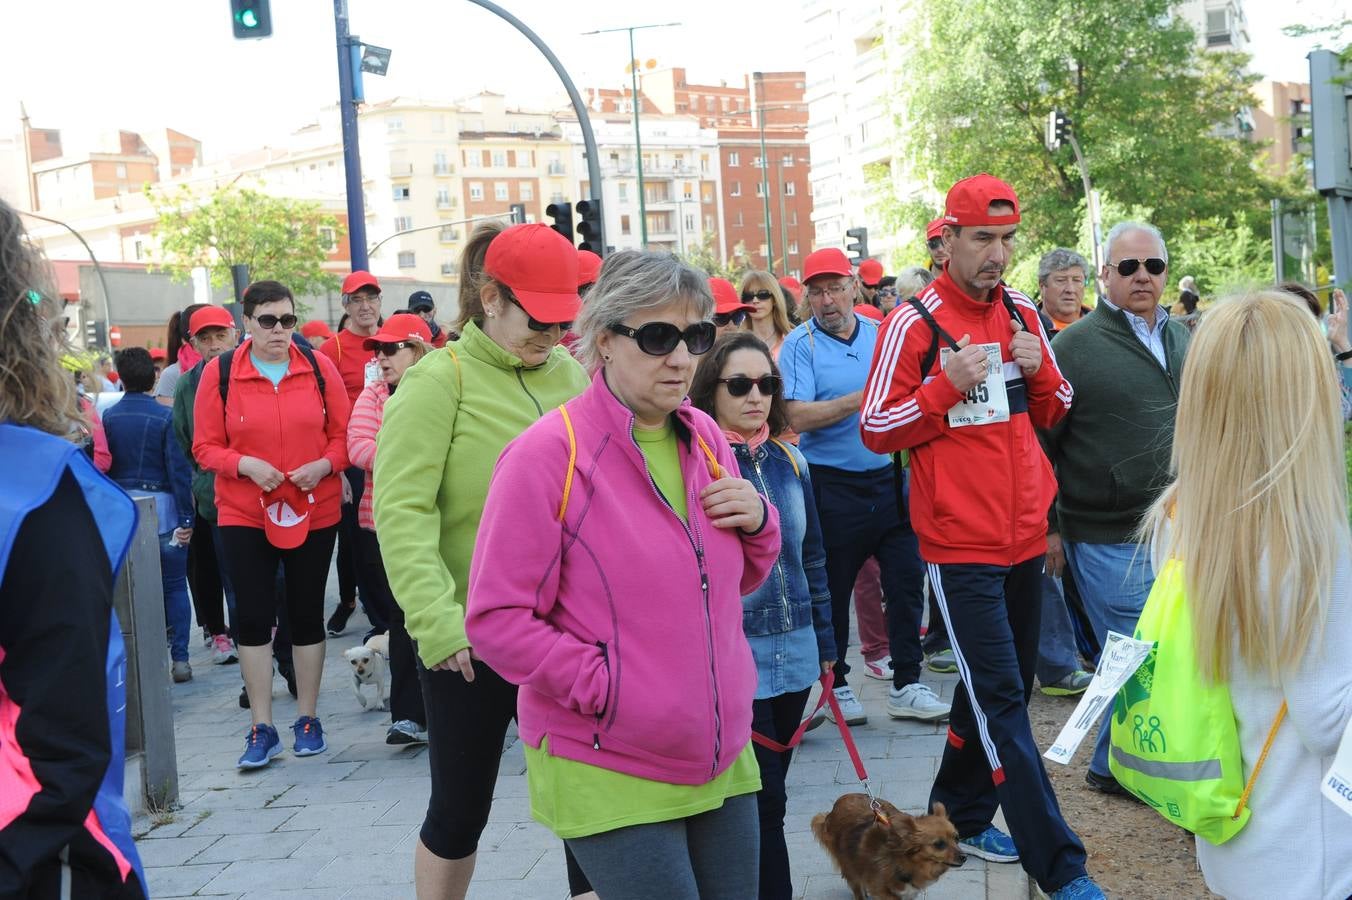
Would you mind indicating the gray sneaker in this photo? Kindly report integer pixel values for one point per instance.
(1076, 682)
(916, 701)
(943, 661)
(406, 731)
(850, 707)
(181, 671)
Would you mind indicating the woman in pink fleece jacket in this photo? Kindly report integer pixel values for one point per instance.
(614, 550)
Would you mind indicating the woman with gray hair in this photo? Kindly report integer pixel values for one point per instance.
(616, 544)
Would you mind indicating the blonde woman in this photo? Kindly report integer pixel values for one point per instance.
(769, 319)
(1257, 515)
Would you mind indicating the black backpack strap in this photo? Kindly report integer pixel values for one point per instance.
(223, 365)
(937, 333)
(309, 355)
(1011, 309)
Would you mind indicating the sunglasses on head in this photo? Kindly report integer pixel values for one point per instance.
(1127, 267)
(740, 385)
(750, 296)
(660, 338)
(535, 324)
(736, 317)
(270, 322)
(392, 348)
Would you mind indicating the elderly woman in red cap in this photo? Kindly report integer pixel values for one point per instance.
(443, 430)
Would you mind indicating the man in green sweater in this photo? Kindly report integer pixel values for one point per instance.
(1112, 450)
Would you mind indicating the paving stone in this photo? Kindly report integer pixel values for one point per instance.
(330, 843)
(266, 845)
(362, 869)
(174, 851)
(321, 815)
(262, 874)
(241, 821)
(173, 881)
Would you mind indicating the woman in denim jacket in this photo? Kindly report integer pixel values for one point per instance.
(787, 620)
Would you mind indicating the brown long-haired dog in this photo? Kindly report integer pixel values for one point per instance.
(887, 854)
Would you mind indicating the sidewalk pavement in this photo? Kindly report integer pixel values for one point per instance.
(344, 823)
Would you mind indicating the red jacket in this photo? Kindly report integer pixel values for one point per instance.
(348, 352)
(980, 493)
(285, 425)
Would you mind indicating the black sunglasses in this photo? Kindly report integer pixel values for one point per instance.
(535, 324)
(740, 385)
(748, 296)
(660, 338)
(934, 243)
(736, 317)
(269, 322)
(391, 349)
(1127, 267)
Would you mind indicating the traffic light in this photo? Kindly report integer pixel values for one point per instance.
(1058, 129)
(251, 18)
(858, 250)
(589, 229)
(518, 213)
(96, 334)
(562, 214)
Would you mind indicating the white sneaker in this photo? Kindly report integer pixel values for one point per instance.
(222, 650)
(916, 701)
(850, 707)
(880, 669)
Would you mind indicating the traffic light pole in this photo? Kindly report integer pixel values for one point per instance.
(98, 270)
(1091, 210)
(759, 78)
(347, 111)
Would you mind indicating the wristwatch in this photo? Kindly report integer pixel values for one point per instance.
(1344, 356)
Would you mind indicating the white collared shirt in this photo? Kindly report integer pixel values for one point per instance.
(1152, 338)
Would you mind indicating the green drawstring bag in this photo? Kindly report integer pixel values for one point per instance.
(1174, 741)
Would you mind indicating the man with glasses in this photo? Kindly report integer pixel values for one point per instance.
(358, 366)
(1061, 278)
(1112, 450)
(860, 494)
(934, 243)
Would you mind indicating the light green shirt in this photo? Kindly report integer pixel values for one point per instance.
(664, 464)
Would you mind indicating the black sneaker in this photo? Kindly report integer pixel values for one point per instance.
(1104, 784)
(288, 671)
(338, 621)
(243, 698)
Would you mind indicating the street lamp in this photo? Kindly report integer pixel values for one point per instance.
(638, 140)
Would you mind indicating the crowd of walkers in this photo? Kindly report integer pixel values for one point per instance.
(634, 508)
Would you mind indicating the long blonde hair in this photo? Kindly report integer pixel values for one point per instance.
(1257, 511)
(756, 280)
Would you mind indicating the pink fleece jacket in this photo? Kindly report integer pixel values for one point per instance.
(622, 624)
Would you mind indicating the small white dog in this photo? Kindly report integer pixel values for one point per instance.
(369, 666)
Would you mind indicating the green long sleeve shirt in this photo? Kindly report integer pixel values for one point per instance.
(443, 430)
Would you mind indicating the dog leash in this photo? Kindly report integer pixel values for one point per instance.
(828, 697)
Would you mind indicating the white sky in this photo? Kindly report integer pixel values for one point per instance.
(176, 63)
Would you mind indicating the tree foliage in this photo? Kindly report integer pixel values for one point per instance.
(1154, 114)
(704, 256)
(278, 238)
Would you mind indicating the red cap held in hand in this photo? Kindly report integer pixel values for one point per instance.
(286, 515)
(539, 266)
(969, 202)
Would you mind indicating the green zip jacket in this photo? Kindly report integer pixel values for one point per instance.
(203, 480)
(444, 428)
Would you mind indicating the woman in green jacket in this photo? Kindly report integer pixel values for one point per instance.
(443, 431)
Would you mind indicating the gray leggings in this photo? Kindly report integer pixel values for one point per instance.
(711, 856)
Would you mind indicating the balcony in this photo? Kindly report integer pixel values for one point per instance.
(443, 169)
(447, 203)
(556, 168)
(448, 268)
(448, 235)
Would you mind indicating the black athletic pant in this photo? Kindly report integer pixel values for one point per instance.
(862, 516)
(777, 718)
(253, 562)
(350, 532)
(204, 578)
(406, 700)
(994, 617)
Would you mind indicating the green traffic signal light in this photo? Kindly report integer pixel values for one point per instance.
(248, 18)
(252, 18)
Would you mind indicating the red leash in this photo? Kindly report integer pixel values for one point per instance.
(827, 697)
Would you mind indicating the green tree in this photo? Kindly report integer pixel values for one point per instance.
(704, 256)
(1154, 114)
(278, 238)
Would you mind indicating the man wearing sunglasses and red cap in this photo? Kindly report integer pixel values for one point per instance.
(961, 377)
(1112, 451)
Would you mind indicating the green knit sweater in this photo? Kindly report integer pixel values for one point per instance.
(1111, 452)
(440, 438)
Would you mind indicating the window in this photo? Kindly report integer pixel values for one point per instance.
(476, 190)
(326, 236)
(689, 221)
(707, 195)
(704, 163)
(403, 223)
(501, 190)
(688, 190)
(448, 267)
(407, 259)
(121, 170)
(760, 189)
(793, 248)
(787, 161)
(734, 158)
(525, 159)
(793, 217)
(735, 189)
(443, 198)
(790, 189)
(448, 234)
(440, 164)
(401, 192)
(555, 164)
(708, 223)
(394, 123)
(499, 159)
(756, 162)
(525, 191)
(738, 221)
(140, 249)
(624, 225)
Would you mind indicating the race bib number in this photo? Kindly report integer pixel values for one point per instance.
(1337, 785)
(372, 372)
(987, 402)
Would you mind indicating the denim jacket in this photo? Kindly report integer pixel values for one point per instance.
(795, 595)
(146, 454)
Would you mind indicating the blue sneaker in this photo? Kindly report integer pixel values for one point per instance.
(1082, 888)
(992, 845)
(260, 747)
(309, 736)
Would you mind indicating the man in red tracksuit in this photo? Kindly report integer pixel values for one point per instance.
(961, 377)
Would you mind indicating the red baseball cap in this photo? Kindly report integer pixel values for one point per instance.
(870, 272)
(286, 515)
(588, 267)
(316, 328)
(869, 311)
(934, 229)
(210, 317)
(540, 267)
(159, 353)
(793, 284)
(830, 261)
(400, 327)
(726, 299)
(969, 201)
(358, 280)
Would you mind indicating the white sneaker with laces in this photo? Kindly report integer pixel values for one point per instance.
(916, 701)
(880, 669)
(850, 707)
(222, 650)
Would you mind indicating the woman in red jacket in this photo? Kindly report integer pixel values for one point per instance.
(275, 434)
